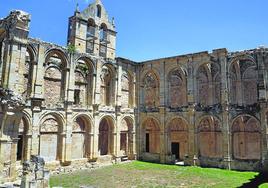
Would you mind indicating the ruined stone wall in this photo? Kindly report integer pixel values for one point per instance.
(208, 93)
(206, 108)
(65, 106)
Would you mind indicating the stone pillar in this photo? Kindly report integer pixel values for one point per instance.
(118, 135)
(34, 174)
(97, 99)
(119, 86)
(163, 136)
(264, 144)
(70, 81)
(226, 132)
(191, 113)
(96, 152)
(192, 145)
(162, 85)
(91, 147)
(28, 147)
(11, 107)
(67, 139)
(35, 131)
(114, 145)
(38, 83)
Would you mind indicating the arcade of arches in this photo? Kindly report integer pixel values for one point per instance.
(206, 108)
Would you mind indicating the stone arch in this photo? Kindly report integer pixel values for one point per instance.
(55, 77)
(177, 88)
(50, 144)
(126, 136)
(127, 90)
(210, 137)
(104, 39)
(90, 35)
(242, 80)
(24, 138)
(27, 71)
(249, 85)
(238, 57)
(178, 137)
(151, 136)
(216, 83)
(107, 136)
(84, 78)
(60, 53)
(203, 80)
(246, 138)
(108, 77)
(82, 137)
(150, 90)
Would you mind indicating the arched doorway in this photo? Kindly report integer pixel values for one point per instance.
(81, 138)
(178, 135)
(246, 138)
(126, 137)
(106, 136)
(50, 139)
(210, 140)
(151, 138)
(22, 145)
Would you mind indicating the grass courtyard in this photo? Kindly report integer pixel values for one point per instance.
(141, 174)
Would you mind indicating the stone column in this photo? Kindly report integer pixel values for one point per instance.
(91, 146)
(163, 136)
(264, 133)
(10, 116)
(97, 99)
(191, 113)
(70, 81)
(117, 133)
(38, 90)
(67, 138)
(35, 128)
(96, 152)
(192, 145)
(119, 87)
(226, 133)
(27, 153)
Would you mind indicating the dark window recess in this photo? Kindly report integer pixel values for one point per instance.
(19, 147)
(76, 96)
(99, 11)
(175, 148)
(103, 50)
(147, 142)
(90, 47)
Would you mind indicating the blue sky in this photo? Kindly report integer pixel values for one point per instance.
(149, 29)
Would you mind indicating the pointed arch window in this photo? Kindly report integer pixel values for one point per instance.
(99, 11)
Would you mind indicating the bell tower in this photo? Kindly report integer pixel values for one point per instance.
(91, 31)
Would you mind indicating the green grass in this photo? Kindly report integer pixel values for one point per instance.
(142, 174)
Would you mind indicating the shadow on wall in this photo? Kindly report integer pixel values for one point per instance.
(258, 180)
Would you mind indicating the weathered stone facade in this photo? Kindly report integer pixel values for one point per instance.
(80, 103)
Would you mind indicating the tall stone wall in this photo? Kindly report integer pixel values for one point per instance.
(71, 107)
(220, 98)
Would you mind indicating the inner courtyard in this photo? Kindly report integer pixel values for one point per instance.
(81, 104)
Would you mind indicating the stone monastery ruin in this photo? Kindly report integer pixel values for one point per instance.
(76, 104)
